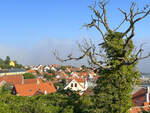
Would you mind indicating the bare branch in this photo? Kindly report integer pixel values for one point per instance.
(129, 38)
(125, 14)
(133, 15)
(120, 25)
(94, 61)
(145, 14)
(100, 18)
(124, 20)
(138, 57)
(70, 56)
(132, 21)
(102, 6)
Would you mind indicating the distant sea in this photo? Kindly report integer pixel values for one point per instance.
(145, 74)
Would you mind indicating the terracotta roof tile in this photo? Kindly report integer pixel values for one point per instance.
(139, 97)
(31, 89)
(12, 79)
(30, 81)
(31, 71)
(79, 79)
(139, 109)
(83, 74)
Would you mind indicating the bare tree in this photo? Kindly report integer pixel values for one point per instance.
(114, 58)
(99, 20)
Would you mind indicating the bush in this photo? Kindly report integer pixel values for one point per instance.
(28, 76)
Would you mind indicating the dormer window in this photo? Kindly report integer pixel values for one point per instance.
(136, 101)
(72, 85)
(30, 90)
(75, 84)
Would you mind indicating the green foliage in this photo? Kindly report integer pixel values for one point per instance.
(18, 66)
(145, 111)
(86, 104)
(4, 64)
(51, 71)
(37, 72)
(51, 103)
(6, 89)
(68, 109)
(63, 67)
(28, 76)
(48, 77)
(7, 60)
(61, 85)
(114, 87)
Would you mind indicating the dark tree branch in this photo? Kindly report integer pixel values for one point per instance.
(100, 17)
(102, 6)
(98, 63)
(137, 57)
(125, 14)
(71, 58)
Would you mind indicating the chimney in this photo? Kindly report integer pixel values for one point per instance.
(22, 79)
(37, 81)
(45, 92)
(147, 94)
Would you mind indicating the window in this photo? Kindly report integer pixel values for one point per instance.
(75, 84)
(136, 101)
(30, 90)
(72, 85)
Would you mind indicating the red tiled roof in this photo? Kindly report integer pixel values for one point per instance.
(12, 79)
(139, 97)
(31, 71)
(63, 73)
(75, 69)
(83, 74)
(55, 65)
(139, 109)
(79, 83)
(50, 74)
(31, 89)
(30, 81)
(79, 80)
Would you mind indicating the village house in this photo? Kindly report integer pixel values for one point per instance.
(11, 79)
(33, 87)
(140, 100)
(32, 71)
(77, 84)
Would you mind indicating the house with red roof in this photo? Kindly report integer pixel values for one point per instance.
(140, 100)
(77, 84)
(11, 79)
(140, 109)
(31, 71)
(33, 87)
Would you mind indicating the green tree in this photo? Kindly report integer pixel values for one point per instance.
(18, 66)
(115, 59)
(61, 85)
(63, 67)
(5, 89)
(28, 76)
(7, 60)
(48, 77)
(51, 71)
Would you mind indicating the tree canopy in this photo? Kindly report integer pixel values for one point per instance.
(115, 58)
(5, 64)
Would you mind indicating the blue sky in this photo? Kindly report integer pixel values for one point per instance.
(26, 25)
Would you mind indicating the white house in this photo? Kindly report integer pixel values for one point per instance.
(77, 86)
(53, 68)
(46, 68)
(74, 75)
